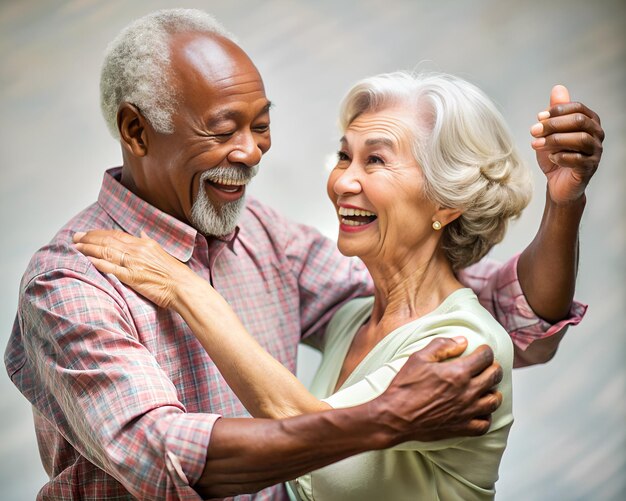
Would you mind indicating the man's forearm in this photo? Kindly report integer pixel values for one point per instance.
(547, 268)
(426, 401)
(246, 455)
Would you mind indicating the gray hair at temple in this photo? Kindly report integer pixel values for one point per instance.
(136, 62)
(465, 151)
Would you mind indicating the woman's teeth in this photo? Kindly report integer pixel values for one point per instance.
(355, 217)
(351, 222)
(344, 211)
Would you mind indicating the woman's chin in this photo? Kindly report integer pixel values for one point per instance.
(348, 249)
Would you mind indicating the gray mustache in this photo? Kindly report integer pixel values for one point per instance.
(232, 173)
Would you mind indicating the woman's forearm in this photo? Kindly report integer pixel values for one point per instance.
(264, 385)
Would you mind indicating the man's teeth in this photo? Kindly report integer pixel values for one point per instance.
(228, 182)
(344, 211)
(227, 185)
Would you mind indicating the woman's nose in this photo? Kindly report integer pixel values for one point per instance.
(347, 181)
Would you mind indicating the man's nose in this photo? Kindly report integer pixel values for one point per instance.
(246, 151)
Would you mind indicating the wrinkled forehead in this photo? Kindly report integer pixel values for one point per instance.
(394, 127)
(204, 57)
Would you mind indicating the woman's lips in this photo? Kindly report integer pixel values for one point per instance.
(353, 219)
(351, 227)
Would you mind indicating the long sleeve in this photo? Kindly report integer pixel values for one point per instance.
(498, 289)
(83, 368)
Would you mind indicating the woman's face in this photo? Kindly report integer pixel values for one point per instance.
(377, 188)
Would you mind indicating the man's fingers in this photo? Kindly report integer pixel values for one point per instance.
(569, 109)
(573, 122)
(488, 379)
(574, 160)
(476, 427)
(440, 349)
(477, 361)
(484, 407)
(580, 142)
(558, 95)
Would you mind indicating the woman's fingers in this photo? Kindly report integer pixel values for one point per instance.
(108, 253)
(140, 263)
(104, 237)
(104, 266)
(121, 248)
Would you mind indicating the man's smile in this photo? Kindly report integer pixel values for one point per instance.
(225, 190)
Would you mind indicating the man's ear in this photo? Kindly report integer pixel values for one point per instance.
(132, 126)
(445, 216)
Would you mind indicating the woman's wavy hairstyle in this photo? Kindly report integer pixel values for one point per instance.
(464, 149)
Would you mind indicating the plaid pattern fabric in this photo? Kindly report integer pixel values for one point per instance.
(499, 291)
(124, 397)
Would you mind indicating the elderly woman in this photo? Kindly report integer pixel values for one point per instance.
(426, 180)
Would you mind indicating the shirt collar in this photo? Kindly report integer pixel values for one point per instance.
(133, 215)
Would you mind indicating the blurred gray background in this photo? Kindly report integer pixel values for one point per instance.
(568, 441)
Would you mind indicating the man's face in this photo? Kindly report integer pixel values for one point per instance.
(221, 129)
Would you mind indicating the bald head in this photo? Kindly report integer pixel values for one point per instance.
(207, 58)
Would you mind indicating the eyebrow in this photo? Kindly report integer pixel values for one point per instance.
(225, 115)
(375, 141)
(380, 141)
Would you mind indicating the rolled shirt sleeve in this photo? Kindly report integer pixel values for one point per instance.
(83, 367)
(499, 291)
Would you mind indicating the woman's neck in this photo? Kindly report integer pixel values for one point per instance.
(409, 288)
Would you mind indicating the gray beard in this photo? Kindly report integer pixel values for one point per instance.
(219, 221)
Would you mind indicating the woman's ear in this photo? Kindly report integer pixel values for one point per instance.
(132, 126)
(446, 216)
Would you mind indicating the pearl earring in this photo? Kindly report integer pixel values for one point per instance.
(436, 225)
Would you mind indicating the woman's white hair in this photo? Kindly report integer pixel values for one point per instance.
(465, 151)
(136, 63)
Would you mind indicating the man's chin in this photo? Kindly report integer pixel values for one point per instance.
(206, 219)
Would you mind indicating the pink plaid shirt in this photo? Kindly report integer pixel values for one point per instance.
(124, 397)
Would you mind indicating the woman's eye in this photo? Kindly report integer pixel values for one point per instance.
(375, 160)
(342, 156)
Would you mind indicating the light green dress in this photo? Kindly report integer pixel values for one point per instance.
(459, 468)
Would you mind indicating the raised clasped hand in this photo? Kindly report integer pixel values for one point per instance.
(568, 143)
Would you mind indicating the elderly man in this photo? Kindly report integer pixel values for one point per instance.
(126, 402)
